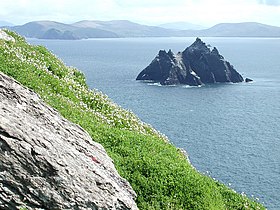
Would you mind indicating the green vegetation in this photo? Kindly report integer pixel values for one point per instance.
(158, 171)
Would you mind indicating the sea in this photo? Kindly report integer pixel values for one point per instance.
(231, 132)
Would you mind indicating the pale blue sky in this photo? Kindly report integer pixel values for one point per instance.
(151, 12)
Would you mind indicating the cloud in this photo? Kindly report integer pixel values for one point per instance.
(270, 2)
(149, 3)
(154, 12)
(22, 11)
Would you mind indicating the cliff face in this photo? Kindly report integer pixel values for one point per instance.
(48, 162)
(196, 65)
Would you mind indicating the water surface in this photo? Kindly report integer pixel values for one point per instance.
(230, 131)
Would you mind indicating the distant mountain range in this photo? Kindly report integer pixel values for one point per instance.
(123, 28)
(5, 23)
(247, 29)
(182, 26)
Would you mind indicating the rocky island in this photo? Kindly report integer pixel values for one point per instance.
(198, 64)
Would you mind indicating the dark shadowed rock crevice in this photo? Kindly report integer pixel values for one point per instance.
(47, 162)
(198, 64)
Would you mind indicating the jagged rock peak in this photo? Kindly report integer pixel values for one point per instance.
(215, 51)
(198, 42)
(170, 53)
(162, 53)
(203, 47)
(198, 64)
(48, 162)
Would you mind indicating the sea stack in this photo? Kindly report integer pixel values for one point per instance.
(198, 64)
(248, 80)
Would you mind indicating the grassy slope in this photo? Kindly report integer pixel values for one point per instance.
(157, 171)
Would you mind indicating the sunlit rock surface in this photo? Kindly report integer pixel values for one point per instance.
(47, 162)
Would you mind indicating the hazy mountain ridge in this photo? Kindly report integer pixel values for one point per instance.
(5, 23)
(246, 29)
(56, 30)
(182, 26)
(124, 28)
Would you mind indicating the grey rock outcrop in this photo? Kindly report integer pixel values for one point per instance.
(248, 80)
(5, 36)
(198, 64)
(47, 162)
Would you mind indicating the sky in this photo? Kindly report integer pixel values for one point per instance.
(150, 12)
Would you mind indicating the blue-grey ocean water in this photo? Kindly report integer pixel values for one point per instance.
(230, 131)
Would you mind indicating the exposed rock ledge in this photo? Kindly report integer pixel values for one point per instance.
(48, 162)
(5, 36)
(198, 64)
